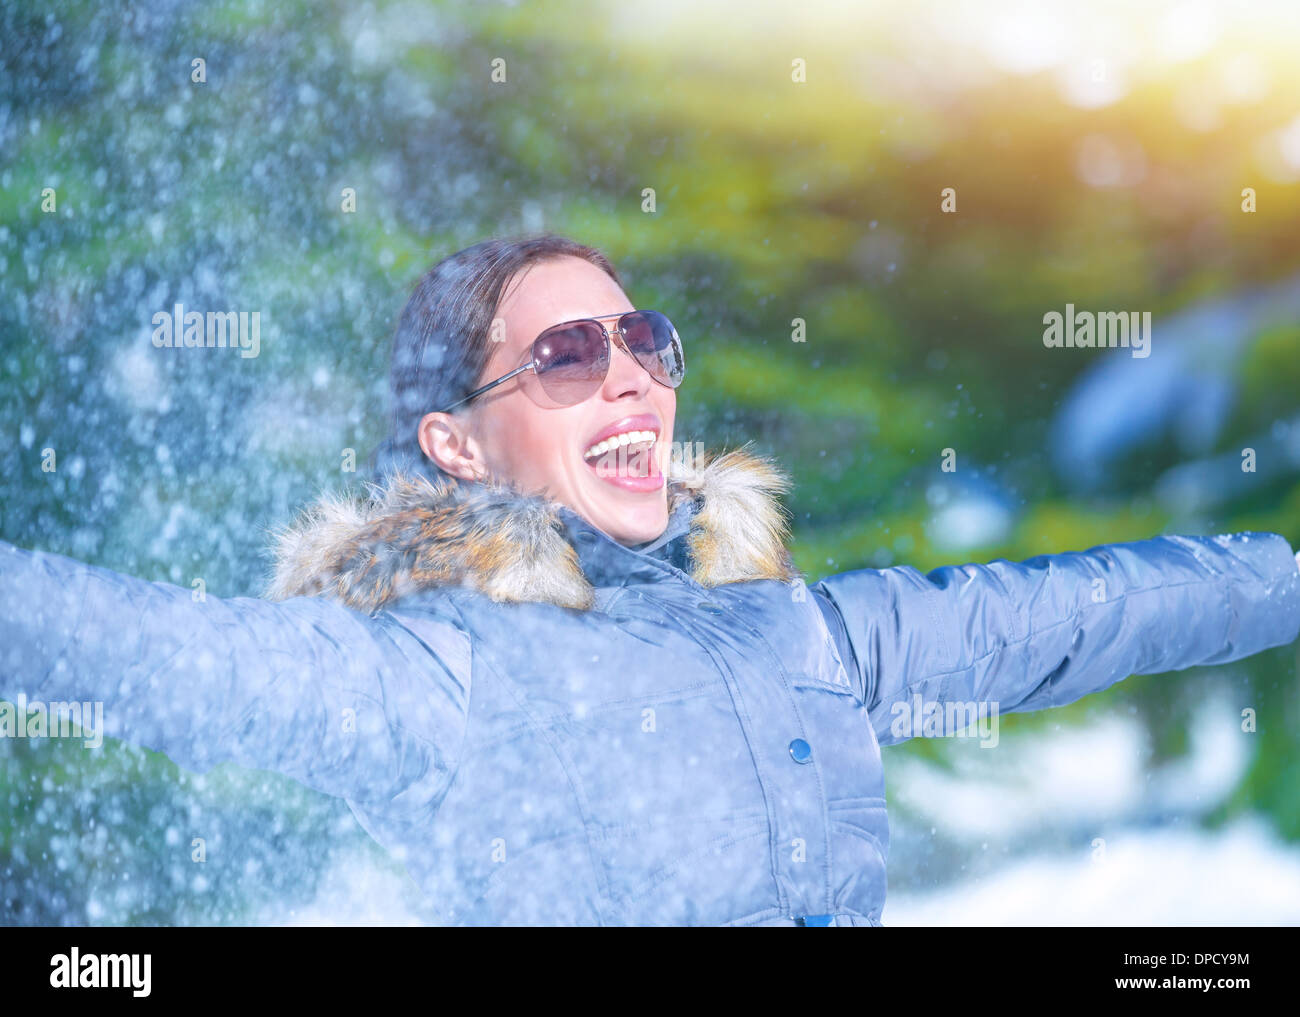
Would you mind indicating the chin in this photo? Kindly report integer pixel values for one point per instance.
(635, 526)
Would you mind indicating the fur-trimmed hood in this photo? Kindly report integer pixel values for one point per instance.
(412, 534)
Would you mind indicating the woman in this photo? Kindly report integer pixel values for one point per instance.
(565, 688)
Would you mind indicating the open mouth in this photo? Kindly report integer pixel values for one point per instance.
(626, 459)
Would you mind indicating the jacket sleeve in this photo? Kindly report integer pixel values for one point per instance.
(358, 706)
(1050, 630)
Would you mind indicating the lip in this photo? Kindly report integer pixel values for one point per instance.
(640, 422)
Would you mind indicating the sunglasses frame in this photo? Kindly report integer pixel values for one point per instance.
(609, 340)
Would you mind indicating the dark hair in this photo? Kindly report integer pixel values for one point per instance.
(442, 343)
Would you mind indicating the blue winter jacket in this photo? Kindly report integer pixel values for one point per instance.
(546, 726)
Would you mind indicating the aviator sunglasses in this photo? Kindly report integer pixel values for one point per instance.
(571, 360)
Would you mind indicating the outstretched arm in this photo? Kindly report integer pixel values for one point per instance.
(1050, 630)
(347, 704)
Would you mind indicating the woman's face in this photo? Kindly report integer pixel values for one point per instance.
(545, 450)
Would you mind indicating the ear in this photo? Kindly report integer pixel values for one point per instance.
(447, 441)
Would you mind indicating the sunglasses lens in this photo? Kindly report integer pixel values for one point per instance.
(571, 362)
(654, 342)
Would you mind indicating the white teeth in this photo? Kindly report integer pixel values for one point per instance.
(618, 441)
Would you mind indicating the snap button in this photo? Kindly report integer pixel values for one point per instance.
(800, 751)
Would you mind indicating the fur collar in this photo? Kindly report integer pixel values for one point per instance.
(412, 534)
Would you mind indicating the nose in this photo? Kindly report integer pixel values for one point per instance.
(626, 373)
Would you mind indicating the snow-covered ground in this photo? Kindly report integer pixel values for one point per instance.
(1240, 875)
(1076, 826)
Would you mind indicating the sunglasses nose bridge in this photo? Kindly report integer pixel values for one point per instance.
(617, 339)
